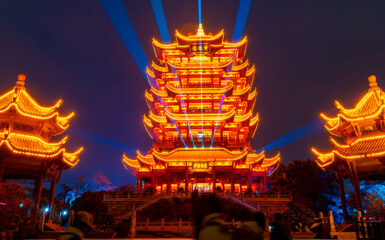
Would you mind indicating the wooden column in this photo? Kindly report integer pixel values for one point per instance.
(248, 181)
(214, 182)
(38, 189)
(153, 183)
(341, 187)
(264, 181)
(138, 184)
(186, 181)
(168, 180)
(356, 185)
(52, 191)
(2, 167)
(232, 182)
(240, 184)
(221, 131)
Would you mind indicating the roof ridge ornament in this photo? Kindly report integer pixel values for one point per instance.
(372, 81)
(21, 80)
(200, 31)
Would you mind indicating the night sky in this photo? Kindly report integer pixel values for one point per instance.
(307, 53)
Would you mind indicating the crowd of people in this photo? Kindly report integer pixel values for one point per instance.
(209, 224)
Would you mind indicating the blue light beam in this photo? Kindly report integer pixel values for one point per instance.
(199, 11)
(117, 14)
(309, 129)
(172, 121)
(101, 140)
(240, 22)
(157, 8)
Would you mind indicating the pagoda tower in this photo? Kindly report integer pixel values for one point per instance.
(359, 147)
(26, 150)
(201, 101)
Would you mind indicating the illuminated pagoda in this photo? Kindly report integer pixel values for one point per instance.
(359, 149)
(26, 150)
(201, 119)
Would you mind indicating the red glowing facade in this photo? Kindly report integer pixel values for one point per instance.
(26, 149)
(358, 145)
(201, 102)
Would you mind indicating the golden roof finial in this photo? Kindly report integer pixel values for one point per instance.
(372, 81)
(200, 30)
(21, 79)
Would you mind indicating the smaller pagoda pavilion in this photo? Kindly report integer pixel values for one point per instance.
(26, 150)
(359, 150)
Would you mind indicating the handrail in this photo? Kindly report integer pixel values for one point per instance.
(139, 197)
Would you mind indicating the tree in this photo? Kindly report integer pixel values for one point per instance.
(299, 217)
(14, 205)
(67, 194)
(310, 185)
(127, 189)
(373, 195)
(277, 183)
(98, 182)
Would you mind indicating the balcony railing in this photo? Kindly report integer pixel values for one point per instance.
(142, 197)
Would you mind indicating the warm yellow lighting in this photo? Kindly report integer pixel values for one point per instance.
(362, 145)
(201, 102)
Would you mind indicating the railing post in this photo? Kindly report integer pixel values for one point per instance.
(331, 221)
(356, 227)
(180, 223)
(361, 225)
(147, 223)
(321, 216)
(162, 224)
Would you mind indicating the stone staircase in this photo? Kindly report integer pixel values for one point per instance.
(122, 206)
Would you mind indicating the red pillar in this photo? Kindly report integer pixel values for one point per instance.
(2, 167)
(138, 184)
(341, 187)
(153, 183)
(232, 183)
(356, 185)
(54, 181)
(264, 181)
(186, 181)
(38, 188)
(240, 184)
(39, 181)
(168, 180)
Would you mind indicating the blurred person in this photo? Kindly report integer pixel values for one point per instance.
(261, 221)
(82, 225)
(212, 225)
(279, 229)
(248, 228)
